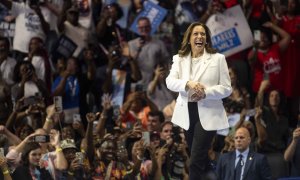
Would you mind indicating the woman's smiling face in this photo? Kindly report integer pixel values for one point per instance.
(35, 156)
(198, 40)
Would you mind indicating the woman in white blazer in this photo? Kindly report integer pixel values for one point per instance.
(200, 75)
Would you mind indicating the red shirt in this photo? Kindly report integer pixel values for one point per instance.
(268, 63)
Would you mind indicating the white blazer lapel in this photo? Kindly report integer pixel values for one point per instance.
(186, 67)
(206, 62)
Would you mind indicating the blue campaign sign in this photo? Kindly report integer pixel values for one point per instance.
(226, 40)
(154, 12)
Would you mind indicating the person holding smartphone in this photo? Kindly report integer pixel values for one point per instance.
(29, 168)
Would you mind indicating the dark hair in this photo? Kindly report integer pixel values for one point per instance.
(185, 48)
(27, 149)
(16, 75)
(235, 71)
(20, 128)
(164, 124)
(41, 51)
(118, 8)
(297, 6)
(281, 106)
(160, 115)
(143, 18)
(6, 41)
(38, 39)
(268, 33)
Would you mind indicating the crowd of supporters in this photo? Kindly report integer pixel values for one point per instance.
(84, 97)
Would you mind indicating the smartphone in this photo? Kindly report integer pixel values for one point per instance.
(257, 35)
(146, 137)
(80, 157)
(58, 104)
(1, 152)
(76, 118)
(41, 138)
(140, 88)
(142, 39)
(95, 124)
(129, 125)
(116, 112)
(29, 101)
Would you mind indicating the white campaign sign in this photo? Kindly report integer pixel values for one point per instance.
(230, 31)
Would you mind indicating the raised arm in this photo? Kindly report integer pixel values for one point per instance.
(290, 150)
(60, 89)
(153, 84)
(91, 117)
(60, 162)
(135, 71)
(285, 37)
(13, 139)
(261, 130)
(44, 23)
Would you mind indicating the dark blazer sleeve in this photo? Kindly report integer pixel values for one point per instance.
(219, 167)
(265, 170)
(223, 167)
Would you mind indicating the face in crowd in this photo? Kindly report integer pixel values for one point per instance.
(144, 27)
(72, 66)
(108, 150)
(274, 98)
(242, 139)
(35, 156)
(166, 131)
(4, 48)
(153, 123)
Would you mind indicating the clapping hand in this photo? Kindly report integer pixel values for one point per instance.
(197, 91)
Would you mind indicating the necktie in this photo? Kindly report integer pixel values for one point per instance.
(238, 168)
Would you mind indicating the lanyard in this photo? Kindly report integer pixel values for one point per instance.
(73, 85)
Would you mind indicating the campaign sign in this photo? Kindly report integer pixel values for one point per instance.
(7, 29)
(230, 31)
(226, 40)
(64, 47)
(154, 12)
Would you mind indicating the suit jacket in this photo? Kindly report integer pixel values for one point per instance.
(256, 167)
(214, 75)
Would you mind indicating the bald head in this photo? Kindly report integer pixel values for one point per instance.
(242, 139)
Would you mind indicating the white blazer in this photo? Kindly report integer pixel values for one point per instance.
(213, 74)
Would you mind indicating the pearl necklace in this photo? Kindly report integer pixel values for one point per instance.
(196, 60)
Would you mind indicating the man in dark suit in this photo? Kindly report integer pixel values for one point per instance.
(243, 163)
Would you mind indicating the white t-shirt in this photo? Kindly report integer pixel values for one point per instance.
(7, 70)
(79, 36)
(38, 63)
(30, 89)
(52, 17)
(28, 25)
